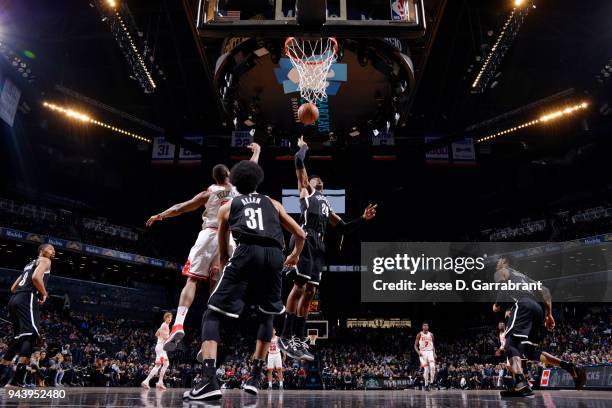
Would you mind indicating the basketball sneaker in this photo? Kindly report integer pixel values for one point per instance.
(160, 386)
(207, 389)
(289, 347)
(303, 349)
(251, 386)
(145, 385)
(522, 389)
(176, 335)
(578, 375)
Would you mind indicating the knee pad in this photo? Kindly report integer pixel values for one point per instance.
(266, 325)
(210, 326)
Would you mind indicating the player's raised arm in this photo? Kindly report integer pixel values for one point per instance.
(44, 264)
(290, 225)
(256, 149)
(223, 235)
(347, 227)
(177, 209)
(300, 169)
(416, 343)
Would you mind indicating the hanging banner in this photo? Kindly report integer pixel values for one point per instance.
(163, 151)
(438, 156)
(241, 138)
(464, 152)
(187, 157)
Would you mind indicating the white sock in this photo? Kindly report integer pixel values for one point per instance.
(280, 383)
(269, 384)
(181, 312)
(426, 375)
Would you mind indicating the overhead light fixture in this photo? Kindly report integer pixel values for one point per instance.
(83, 117)
(542, 119)
(504, 40)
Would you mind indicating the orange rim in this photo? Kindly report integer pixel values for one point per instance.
(287, 52)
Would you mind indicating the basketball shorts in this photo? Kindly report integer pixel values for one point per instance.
(203, 254)
(160, 354)
(253, 275)
(275, 361)
(427, 358)
(524, 329)
(24, 312)
(311, 262)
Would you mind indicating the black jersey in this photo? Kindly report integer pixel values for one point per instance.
(25, 283)
(253, 219)
(515, 276)
(315, 213)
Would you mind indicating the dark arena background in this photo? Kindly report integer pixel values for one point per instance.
(482, 122)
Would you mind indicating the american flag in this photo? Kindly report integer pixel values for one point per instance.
(229, 15)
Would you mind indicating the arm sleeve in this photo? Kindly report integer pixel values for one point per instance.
(348, 227)
(300, 156)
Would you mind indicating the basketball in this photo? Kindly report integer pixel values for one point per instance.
(308, 113)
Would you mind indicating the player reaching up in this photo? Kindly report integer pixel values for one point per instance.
(275, 361)
(424, 346)
(161, 358)
(202, 263)
(316, 214)
(522, 335)
(255, 268)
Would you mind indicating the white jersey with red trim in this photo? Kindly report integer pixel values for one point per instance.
(426, 341)
(219, 195)
(273, 348)
(164, 333)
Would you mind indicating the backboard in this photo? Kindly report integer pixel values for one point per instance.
(343, 19)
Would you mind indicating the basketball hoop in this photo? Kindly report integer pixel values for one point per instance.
(313, 60)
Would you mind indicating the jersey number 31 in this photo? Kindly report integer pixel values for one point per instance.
(255, 218)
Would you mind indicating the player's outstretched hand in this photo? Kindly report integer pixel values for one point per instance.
(301, 142)
(549, 322)
(153, 219)
(499, 352)
(370, 212)
(292, 260)
(42, 299)
(254, 147)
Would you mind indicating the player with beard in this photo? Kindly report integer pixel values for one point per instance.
(29, 291)
(316, 214)
(202, 263)
(522, 334)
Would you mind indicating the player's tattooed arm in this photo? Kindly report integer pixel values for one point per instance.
(290, 225)
(416, 344)
(300, 169)
(223, 235)
(44, 264)
(256, 149)
(177, 209)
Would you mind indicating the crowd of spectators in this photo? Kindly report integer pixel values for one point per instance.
(79, 349)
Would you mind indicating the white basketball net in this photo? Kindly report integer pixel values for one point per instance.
(313, 60)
